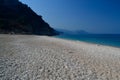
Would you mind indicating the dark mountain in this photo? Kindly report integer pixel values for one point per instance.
(81, 32)
(21, 19)
(63, 31)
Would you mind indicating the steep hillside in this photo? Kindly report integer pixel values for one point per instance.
(21, 19)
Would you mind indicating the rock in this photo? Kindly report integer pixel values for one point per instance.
(18, 18)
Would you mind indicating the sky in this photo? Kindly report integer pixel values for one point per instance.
(95, 16)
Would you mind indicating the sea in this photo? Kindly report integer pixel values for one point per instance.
(101, 39)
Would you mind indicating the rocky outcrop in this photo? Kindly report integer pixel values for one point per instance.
(21, 19)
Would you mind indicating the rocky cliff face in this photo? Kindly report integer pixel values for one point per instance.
(9, 2)
(20, 19)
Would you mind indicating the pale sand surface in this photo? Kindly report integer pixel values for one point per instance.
(25, 57)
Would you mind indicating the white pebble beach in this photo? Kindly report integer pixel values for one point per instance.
(30, 57)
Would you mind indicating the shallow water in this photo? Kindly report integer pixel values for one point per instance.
(104, 39)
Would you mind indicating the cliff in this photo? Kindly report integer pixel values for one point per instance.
(21, 19)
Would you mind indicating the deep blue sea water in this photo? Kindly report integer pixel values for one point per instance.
(103, 39)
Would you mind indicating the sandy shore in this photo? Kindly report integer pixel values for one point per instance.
(25, 57)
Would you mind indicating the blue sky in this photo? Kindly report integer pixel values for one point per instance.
(96, 16)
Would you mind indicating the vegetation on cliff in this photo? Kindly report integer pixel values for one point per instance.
(21, 19)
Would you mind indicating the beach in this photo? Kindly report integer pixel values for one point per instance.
(30, 57)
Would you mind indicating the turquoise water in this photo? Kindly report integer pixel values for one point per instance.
(103, 39)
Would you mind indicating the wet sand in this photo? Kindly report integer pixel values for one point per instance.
(29, 57)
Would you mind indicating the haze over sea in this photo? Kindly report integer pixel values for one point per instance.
(100, 39)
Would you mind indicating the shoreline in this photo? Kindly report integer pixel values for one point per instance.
(98, 44)
(43, 57)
